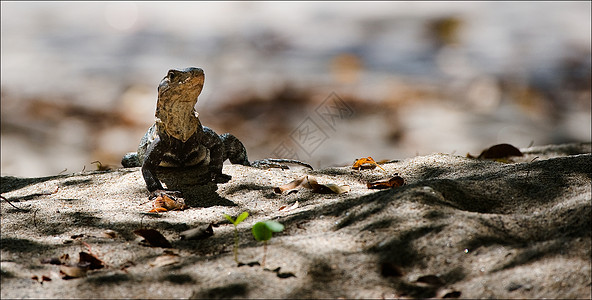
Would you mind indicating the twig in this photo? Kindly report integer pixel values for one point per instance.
(528, 172)
(141, 221)
(4, 198)
(87, 246)
(35, 217)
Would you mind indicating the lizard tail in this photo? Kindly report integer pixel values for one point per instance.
(235, 151)
(278, 163)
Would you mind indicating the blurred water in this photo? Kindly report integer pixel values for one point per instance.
(79, 79)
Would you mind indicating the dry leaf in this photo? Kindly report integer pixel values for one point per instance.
(292, 207)
(127, 265)
(168, 258)
(165, 202)
(365, 163)
(110, 234)
(389, 269)
(451, 294)
(290, 186)
(101, 167)
(154, 238)
(330, 188)
(42, 279)
(90, 259)
(311, 183)
(251, 264)
(69, 272)
(199, 233)
(394, 181)
(499, 151)
(431, 280)
(279, 274)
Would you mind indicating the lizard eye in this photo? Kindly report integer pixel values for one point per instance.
(172, 75)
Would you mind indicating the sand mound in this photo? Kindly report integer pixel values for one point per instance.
(460, 227)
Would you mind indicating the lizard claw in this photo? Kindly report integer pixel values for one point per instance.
(171, 194)
(167, 200)
(278, 163)
(220, 178)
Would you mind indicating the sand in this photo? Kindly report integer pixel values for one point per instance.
(459, 227)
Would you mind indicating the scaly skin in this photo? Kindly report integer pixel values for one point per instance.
(178, 140)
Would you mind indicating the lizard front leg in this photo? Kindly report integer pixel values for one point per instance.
(152, 159)
(234, 150)
(215, 144)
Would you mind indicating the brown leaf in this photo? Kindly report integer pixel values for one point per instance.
(279, 274)
(42, 279)
(365, 163)
(69, 272)
(452, 294)
(110, 234)
(127, 265)
(154, 238)
(198, 233)
(166, 202)
(395, 181)
(311, 183)
(328, 188)
(168, 258)
(90, 259)
(389, 269)
(499, 151)
(431, 280)
(292, 207)
(101, 167)
(290, 186)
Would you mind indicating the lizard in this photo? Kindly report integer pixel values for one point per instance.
(178, 140)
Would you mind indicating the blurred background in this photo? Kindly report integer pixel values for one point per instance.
(395, 79)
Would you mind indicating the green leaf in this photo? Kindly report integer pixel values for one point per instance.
(274, 226)
(261, 232)
(229, 218)
(241, 217)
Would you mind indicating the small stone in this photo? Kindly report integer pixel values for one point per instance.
(513, 286)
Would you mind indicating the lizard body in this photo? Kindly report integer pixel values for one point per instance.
(178, 141)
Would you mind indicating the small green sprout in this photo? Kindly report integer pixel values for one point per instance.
(234, 222)
(262, 232)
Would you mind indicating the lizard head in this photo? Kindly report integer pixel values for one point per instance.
(177, 96)
(181, 85)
